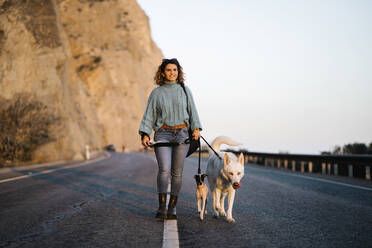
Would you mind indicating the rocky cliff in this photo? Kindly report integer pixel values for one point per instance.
(90, 61)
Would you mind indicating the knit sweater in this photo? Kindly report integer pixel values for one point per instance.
(167, 104)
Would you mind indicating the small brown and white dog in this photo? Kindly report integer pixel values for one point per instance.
(201, 194)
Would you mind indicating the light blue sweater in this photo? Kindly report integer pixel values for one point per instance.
(167, 105)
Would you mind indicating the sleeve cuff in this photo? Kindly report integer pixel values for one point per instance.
(143, 134)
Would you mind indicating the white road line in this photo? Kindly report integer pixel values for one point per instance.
(50, 171)
(323, 180)
(31, 166)
(170, 233)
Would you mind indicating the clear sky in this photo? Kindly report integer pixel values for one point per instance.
(275, 75)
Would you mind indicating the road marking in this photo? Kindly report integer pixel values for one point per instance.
(170, 233)
(51, 170)
(322, 180)
(31, 166)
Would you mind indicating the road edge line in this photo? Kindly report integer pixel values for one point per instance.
(106, 155)
(170, 231)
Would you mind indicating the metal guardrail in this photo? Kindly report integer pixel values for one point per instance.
(358, 166)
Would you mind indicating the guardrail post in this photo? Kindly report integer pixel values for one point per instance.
(266, 162)
(368, 173)
(335, 169)
(329, 169)
(255, 159)
(311, 167)
(286, 164)
(323, 168)
(279, 163)
(246, 159)
(293, 165)
(302, 166)
(87, 152)
(350, 167)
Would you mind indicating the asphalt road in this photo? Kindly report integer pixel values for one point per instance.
(111, 203)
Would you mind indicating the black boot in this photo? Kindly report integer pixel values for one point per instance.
(171, 215)
(161, 213)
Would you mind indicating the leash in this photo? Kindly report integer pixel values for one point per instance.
(199, 171)
(160, 144)
(210, 147)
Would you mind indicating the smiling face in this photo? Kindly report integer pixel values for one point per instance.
(170, 72)
(233, 170)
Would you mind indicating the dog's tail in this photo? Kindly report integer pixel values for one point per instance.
(217, 142)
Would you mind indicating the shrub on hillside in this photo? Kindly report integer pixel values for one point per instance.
(25, 124)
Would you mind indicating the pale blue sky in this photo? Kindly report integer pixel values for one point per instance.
(276, 75)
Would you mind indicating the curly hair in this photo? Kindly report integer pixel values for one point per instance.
(160, 79)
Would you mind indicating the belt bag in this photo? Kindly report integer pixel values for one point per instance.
(194, 144)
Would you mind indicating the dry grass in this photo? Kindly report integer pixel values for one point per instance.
(25, 125)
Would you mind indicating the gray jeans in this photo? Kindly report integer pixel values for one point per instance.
(171, 158)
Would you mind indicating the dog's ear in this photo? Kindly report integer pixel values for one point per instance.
(241, 159)
(203, 176)
(196, 177)
(226, 159)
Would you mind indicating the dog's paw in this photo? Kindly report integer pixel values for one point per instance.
(230, 220)
(222, 213)
(215, 214)
(201, 216)
(205, 212)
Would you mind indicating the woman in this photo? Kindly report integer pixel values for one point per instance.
(170, 113)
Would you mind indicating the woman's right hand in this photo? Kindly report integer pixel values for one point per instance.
(146, 141)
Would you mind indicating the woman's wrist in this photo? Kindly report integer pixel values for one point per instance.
(143, 135)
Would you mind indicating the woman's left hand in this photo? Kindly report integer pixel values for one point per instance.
(196, 134)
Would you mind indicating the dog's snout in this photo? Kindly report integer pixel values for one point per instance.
(236, 185)
(198, 181)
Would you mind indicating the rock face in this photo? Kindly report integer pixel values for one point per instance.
(91, 62)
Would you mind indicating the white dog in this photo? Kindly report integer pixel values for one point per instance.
(224, 177)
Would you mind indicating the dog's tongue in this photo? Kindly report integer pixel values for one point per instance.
(237, 185)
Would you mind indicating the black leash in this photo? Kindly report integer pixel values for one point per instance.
(210, 147)
(199, 171)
